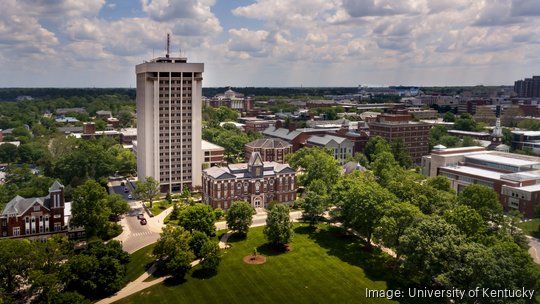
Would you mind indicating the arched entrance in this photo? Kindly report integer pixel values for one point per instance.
(257, 203)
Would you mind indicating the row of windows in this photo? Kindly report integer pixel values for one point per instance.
(174, 121)
(174, 88)
(175, 114)
(184, 127)
(166, 102)
(175, 81)
(166, 179)
(174, 108)
(174, 95)
(174, 153)
(176, 159)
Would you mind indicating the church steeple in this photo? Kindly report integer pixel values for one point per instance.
(497, 132)
(255, 165)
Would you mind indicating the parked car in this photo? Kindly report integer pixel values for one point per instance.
(143, 221)
(122, 184)
(126, 189)
(140, 216)
(130, 196)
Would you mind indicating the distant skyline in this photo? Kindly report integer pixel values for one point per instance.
(274, 43)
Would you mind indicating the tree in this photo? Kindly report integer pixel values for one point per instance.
(314, 206)
(8, 153)
(465, 123)
(371, 147)
(278, 229)
(484, 200)
(198, 239)
(468, 142)
(440, 182)
(147, 190)
(400, 154)
(467, 219)
(318, 164)
(90, 208)
(172, 251)
(397, 219)
(449, 117)
(429, 248)
(218, 212)
(210, 255)
(239, 217)
(365, 205)
(385, 167)
(125, 117)
(502, 266)
(98, 271)
(117, 205)
(198, 218)
(17, 259)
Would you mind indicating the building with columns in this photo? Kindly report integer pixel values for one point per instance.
(257, 182)
(169, 91)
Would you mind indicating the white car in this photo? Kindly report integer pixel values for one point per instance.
(130, 196)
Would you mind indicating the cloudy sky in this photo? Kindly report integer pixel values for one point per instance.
(96, 43)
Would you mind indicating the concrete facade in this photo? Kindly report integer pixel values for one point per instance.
(169, 92)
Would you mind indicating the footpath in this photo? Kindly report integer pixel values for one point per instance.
(140, 284)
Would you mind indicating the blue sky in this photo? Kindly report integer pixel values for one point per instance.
(97, 43)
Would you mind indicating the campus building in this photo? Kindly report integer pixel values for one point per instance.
(257, 182)
(169, 122)
(271, 149)
(38, 218)
(394, 127)
(515, 178)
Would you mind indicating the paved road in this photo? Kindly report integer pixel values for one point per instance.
(534, 251)
(135, 235)
(259, 219)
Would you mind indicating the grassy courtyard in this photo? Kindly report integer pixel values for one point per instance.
(323, 267)
(531, 227)
(139, 262)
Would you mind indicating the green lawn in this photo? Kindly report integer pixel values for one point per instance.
(531, 227)
(323, 267)
(139, 262)
(159, 206)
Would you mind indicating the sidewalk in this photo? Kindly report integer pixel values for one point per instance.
(157, 222)
(139, 284)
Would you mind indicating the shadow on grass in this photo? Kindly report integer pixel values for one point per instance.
(202, 274)
(174, 281)
(272, 250)
(237, 237)
(376, 264)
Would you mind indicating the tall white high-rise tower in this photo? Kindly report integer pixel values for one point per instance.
(169, 119)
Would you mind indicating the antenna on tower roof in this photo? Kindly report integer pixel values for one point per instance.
(168, 45)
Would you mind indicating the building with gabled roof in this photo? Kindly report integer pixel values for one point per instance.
(271, 149)
(256, 181)
(38, 218)
(341, 147)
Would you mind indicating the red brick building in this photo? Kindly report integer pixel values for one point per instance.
(394, 127)
(37, 217)
(271, 149)
(256, 182)
(212, 154)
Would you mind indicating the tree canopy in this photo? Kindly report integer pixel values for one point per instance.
(240, 216)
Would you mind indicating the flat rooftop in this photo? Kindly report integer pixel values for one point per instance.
(527, 133)
(533, 188)
(474, 171)
(206, 145)
(506, 159)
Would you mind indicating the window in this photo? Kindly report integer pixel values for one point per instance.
(57, 226)
(257, 186)
(16, 231)
(36, 208)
